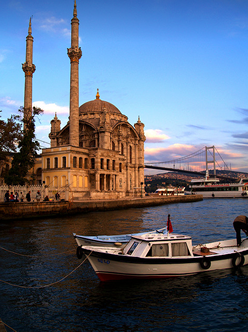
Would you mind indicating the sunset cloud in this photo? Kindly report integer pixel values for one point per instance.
(155, 136)
(174, 151)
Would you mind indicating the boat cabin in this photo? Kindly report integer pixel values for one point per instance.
(159, 245)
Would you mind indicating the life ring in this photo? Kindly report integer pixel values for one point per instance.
(238, 260)
(205, 263)
(79, 252)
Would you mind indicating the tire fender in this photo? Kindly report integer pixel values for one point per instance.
(79, 252)
(238, 260)
(205, 263)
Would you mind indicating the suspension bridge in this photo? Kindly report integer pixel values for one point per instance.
(196, 163)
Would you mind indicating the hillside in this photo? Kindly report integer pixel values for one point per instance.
(153, 182)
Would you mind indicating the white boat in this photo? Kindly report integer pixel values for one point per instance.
(150, 256)
(170, 191)
(211, 187)
(110, 240)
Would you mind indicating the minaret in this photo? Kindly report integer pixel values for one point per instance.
(28, 68)
(74, 54)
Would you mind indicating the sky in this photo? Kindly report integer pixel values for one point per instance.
(181, 66)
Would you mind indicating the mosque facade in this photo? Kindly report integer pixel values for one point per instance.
(98, 154)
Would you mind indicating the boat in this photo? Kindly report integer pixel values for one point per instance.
(212, 187)
(170, 191)
(110, 240)
(151, 256)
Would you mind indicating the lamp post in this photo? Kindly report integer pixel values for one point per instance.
(141, 183)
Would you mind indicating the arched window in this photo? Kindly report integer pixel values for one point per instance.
(130, 155)
(122, 148)
(113, 146)
(56, 162)
(48, 163)
(102, 163)
(75, 162)
(120, 167)
(80, 181)
(80, 162)
(113, 165)
(92, 163)
(63, 182)
(64, 162)
(47, 180)
(86, 165)
(108, 164)
(74, 181)
(55, 181)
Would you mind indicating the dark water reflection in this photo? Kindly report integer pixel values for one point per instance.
(214, 301)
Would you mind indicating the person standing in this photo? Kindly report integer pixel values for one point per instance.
(38, 196)
(240, 222)
(22, 197)
(28, 197)
(6, 196)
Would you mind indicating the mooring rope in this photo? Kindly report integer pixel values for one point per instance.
(8, 326)
(48, 285)
(16, 253)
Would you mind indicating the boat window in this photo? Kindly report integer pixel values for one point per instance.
(158, 250)
(180, 249)
(132, 248)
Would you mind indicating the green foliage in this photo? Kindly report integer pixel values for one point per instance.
(10, 135)
(28, 146)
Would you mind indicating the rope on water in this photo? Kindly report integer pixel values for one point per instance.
(48, 285)
(16, 253)
(8, 326)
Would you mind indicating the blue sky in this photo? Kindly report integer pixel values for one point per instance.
(182, 66)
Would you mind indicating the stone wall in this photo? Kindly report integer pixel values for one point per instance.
(14, 210)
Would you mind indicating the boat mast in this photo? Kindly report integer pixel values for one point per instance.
(210, 161)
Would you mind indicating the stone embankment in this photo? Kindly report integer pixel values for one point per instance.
(14, 210)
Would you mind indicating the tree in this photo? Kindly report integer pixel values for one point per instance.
(28, 147)
(10, 135)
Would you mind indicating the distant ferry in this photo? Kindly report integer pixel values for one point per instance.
(211, 187)
(170, 191)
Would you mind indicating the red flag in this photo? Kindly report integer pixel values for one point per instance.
(169, 225)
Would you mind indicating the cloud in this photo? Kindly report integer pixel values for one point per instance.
(243, 121)
(171, 152)
(244, 135)
(155, 136)
(51, 108)
(243, 111)
(197, 127)
(51, 24)
(7, 102)
(54, 25)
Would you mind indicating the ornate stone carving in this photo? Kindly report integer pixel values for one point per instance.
(28, 69)
(74, 54)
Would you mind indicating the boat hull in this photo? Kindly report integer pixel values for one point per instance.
(109, 240)
(110, 267)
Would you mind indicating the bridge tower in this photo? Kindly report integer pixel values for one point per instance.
(210, 161)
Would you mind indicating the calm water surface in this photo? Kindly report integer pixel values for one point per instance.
(212, 301)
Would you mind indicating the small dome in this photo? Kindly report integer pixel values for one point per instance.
(98, 105)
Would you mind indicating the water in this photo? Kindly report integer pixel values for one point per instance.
(212, 301)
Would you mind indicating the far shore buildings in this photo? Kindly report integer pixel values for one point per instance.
(98, 154)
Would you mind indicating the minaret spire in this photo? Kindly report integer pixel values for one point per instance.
(74, 54)
(75, 9)
(29, 68)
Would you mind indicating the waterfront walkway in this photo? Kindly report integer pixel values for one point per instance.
(16, 210)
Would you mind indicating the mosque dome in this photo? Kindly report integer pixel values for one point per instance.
(97, 106)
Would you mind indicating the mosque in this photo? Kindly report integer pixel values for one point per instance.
(98, 154)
